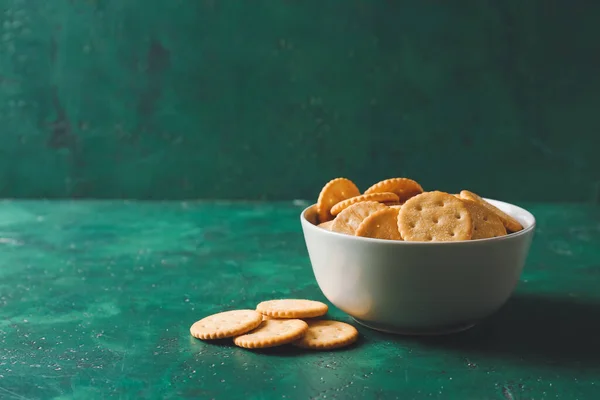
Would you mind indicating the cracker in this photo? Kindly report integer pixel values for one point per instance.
(382, 224)
(226, 324)
(327, 335)
(392, 203)
(349, 220)
(333, 192)
(486, 224)
(273, 332)
(292, 308)
(403, 187)
(397, 206)
(326, 225)
(435, 216)
(509, 222)
(379, 197)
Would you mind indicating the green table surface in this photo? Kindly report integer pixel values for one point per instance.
(96, 300)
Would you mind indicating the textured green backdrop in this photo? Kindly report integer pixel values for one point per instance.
(270, 99)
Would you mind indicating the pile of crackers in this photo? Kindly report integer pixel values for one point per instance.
(399, 209)
(276, 323)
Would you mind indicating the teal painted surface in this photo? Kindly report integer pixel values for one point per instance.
(215, 99)
(96, 299)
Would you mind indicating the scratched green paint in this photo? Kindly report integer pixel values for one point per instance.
(227, 99)
(96, 299)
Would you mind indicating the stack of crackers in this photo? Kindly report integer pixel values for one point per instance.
(276, 323)
(399, 209)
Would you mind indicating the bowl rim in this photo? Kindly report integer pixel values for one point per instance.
(309, 225)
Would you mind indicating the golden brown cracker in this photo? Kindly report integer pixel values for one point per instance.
(379, 197)
(382, 224)
(272, 332)
(326, 225)
(333, 192)
(486, 224)
(405, 188)
(226, 324)
(327, 335)
(435, 216)
(292, 308)
(392, 203)
(509, 222)
(349, 220)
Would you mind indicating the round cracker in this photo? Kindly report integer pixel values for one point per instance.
(327, 335)
(379, 197)
(333, 192)
(382, 224)
(273, 332)
(435, 216)
(350, 219)
(326, 225)
(486, 224)
(393, 203)
(226, 324)
(292, 308)
(509, 222)
(404, 188)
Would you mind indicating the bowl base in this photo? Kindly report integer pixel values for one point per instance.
(437, 331)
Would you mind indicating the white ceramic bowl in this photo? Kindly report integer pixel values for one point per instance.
(418, 287)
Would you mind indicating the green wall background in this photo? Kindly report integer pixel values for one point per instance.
(267, 99)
